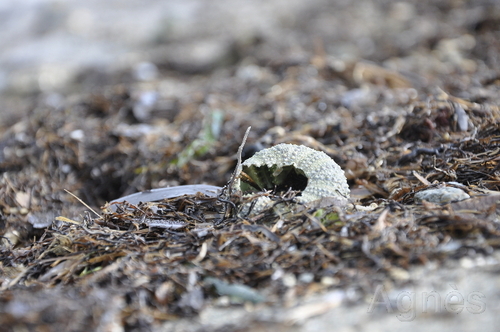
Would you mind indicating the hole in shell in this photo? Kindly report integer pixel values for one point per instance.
(278, 180)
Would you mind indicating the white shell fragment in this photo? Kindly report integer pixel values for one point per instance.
(441, 195)
(298, 167)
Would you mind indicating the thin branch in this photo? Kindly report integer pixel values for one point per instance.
(237, 170)
(85, 204)
(227, 191)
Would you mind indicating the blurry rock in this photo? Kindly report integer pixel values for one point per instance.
(133, 131)
(145, 71)
(196, 56)
(144, 105)
(251, 73)
(461, 117)
(357, 98)
(236, 291)
(441, 195)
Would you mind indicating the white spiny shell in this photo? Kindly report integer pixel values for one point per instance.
(269, 167)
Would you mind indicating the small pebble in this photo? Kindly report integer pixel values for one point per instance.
(77, 135)
(441, 195)
(145, 71)
(306, 277)
(329, 281)
(289, 280)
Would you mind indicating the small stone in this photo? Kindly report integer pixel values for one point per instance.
(441, 195)
(289, 280)
(306, 277)
(145, 71)
(329, 281)
(399, 274)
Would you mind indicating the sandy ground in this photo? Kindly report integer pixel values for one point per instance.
(468, 297)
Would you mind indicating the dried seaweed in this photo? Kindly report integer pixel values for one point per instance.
(161, 260)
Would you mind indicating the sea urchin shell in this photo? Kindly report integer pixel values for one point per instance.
(298, 167)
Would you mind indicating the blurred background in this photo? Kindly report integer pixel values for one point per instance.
(50, 46)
